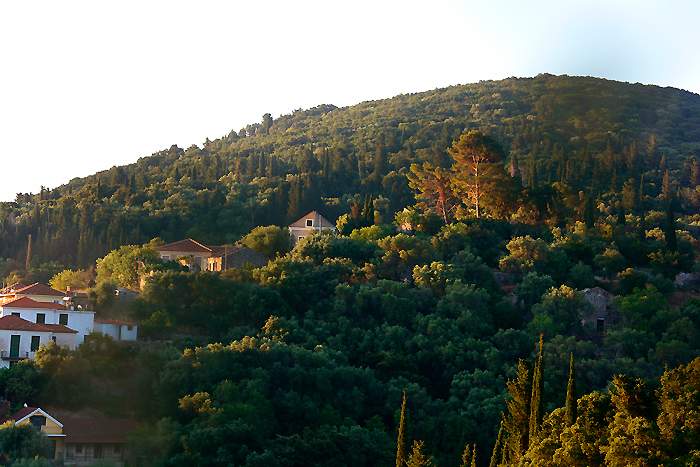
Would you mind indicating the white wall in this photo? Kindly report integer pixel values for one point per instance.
(111, 330)
(118, 332)
(129, 335)
(81, 321)
(25, 342)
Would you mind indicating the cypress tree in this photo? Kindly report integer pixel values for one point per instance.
(536, 399)
(515, 423)
(495, 454)
(666, 186)
(400, 440)
(670, 228)
(571, 394)
(466, 456)
(417, 457)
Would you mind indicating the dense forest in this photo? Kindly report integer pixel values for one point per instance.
(450, 319)
(560, 134)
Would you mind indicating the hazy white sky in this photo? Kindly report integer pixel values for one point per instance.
(85, 85)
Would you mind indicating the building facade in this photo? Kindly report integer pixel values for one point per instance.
(309, 224)
(20, 339)
(79, 439)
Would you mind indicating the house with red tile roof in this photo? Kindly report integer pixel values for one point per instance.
(200, 257)
(82, 321)
(37, 291)
(20, 339)
(64, 312)
(188, 252)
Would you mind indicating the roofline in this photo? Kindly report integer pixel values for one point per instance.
(190, 239)
(43, 412)
(39, 283)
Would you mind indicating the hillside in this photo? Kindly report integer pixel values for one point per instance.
(582, 132)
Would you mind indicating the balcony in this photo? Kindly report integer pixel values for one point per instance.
(14, 356)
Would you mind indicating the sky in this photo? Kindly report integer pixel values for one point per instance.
(85, 85)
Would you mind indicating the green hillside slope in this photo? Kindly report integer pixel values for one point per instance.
(581, 132)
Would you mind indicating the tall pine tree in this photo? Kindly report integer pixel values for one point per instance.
(515, 423)
(401, 437)
(536, 399)
(497, 448)
(570, 407)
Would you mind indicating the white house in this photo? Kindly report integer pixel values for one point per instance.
(20, 339)
(50, 313)
(309, 224)
(118, 330)
(40, 304)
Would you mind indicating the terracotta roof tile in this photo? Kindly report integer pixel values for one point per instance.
(26, 302)
(187, 245)
(92, 427)
(20, 414)
(15, 323)
(38, 288)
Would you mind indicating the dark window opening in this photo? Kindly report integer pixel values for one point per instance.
(35, 343)
(63, 319)
(41, 318)
(600, 325)
(37, 421)
(309, 222)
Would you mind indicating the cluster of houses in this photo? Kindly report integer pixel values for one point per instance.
(200, 257)
(36, 314)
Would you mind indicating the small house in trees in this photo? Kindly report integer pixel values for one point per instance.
(41, 421)
(601, 308)
(200, 257)
(78, 438)
(187, 252)
(309, 224)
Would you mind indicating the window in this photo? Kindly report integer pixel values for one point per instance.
(35, 343)
(37, 421)
(41, 318)
(129, 327)
(63, 319)
(309, 222)
(16, 314)
(53, 338)
(98, 451)
(78, 448)
(600, 325)
(166, 257)
(301, 237)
